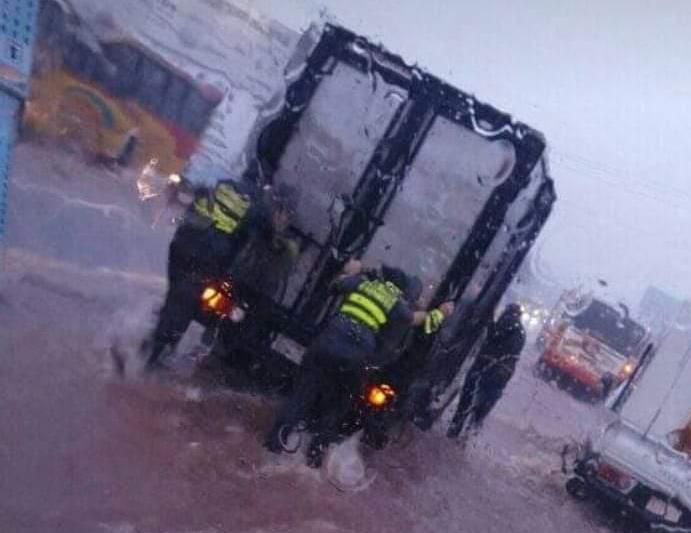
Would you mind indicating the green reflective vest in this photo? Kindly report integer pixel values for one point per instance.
(227, 209)
(371, 303)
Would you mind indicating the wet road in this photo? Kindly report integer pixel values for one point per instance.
(81, 451)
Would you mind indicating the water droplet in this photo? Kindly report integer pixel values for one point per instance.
(395, 95)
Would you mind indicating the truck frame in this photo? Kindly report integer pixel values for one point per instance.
(395, 165)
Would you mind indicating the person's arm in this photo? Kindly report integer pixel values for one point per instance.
(347, 283)
(288, 247)
(349, 278)
(432, 320)
(259, 219)
(352, 268)
(419, 318)
(402, 313)
(509, 360)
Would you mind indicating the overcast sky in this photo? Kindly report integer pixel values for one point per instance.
(608, 82)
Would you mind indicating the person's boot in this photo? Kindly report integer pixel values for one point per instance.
(273, 444)
(153, 366)
(424, 421)
(150, 350)
(463, 440)
(315, 453)
(278, 440)
(453, 432)
(455, 428)
(119, 361)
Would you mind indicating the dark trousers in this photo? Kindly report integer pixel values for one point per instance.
(195, 256)
(330, 378)
(482, 389)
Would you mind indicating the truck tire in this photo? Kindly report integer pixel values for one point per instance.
(544, 371)
(539, 370)
(577, 488)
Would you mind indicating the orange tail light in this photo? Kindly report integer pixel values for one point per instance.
(217, 298)
(379, 396)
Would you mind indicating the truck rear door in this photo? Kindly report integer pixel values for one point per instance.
(394, 165)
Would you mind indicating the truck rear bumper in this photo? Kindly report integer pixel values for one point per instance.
(590, 383)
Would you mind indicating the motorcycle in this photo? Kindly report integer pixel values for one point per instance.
(372, 411)
(219, 302)
(377, 410)
(238, 336)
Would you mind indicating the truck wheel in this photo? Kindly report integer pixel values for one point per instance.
(596, 397)
(577, 488)
(540, 369)
(565, 383)
(545, 371)
(537, 370)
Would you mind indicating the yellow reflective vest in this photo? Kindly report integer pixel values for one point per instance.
(227, 208)
(371, 303)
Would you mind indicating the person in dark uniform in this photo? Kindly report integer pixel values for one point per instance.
(268, 260)
(215, 229)
(260, 276)
(491, 371)
(334, 365)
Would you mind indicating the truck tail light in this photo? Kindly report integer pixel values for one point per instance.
(615, 477)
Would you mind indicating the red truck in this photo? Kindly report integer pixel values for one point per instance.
(590, 346)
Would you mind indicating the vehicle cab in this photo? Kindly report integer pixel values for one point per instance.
(591, 344)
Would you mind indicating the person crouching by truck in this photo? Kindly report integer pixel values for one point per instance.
(333, 368)
(215, 229)
(490, 373)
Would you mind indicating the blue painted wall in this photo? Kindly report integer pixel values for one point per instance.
(17, 36)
